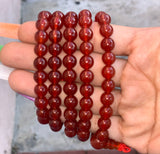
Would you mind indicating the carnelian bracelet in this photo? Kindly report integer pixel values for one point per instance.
(48, 110)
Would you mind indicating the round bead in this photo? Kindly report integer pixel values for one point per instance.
(85, 115)
(45, 15)
(108, 72)
(54, 113)
(54, 90)
(58, 14)
(86, 103)
(41, 103)
(40, 49)
(96, 143)
(71, 14)
(86, 48)
(54, 63)
(69, 47)
(85, 34)
(85, 13)
(84, 125)
(97, 16)
(70, 124)
(40, 90)
(70, 34)
(54, 77)
(102, 18)
(106, 112)
(85, 21)
(43, 120)
(102, 135)
(41, 36)
(86, 76)
(70, 88)
(55, 49)
(86, 62)
(107, 44)
(70, 132)
(40, 77)
(107, 99)
(42, 113)
(104, 124)
(106, 30)
(55, 125)
(42, 24)
(108, 58)
(69, 76)
(70, 102)
(54, 102)
(55, 36)
(56, 22)
(70, 21)
(86, 90)
(83, 135)
(108, 86)
(40, 63)
(69, 61)
(70, 114)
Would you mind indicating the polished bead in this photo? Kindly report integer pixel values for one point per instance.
(102, 18)
(41, 36)
(85, 115)
(70, 124)
(42, 24)
(70, 102)
(85, 12)
(71, 13)
(83, 135)
(86, 48)
(104, 124)
(56, 22)
(111, 144)
(107, 99)
(55, 36)
(54, 63)
(108, 72)
(45, 15)
(70, 34)
(54, 102)
(40, 49)
(85, 21)
(41, 103)
(106, 30)
(40, 90)
(85, 34)
(54, 77)
(69, 76)
(55, 49)
(40, 63)
(86, 76)
(96, 143)
(54, 113)
(70, 114)
(107, 44)
(58, 14)
(86, 90)
(70, 21)
(69, 61)
(70, 88)
(69, 47)
(86, 103)
(108, 58)
(70, 132)
(42, 113)
(106, 112)
(102, 135)
(43, 120)
(108, 86)
(55, 125)
(40, 77)
(54, 90)
(86, 62)
(97, 16)
(84, 125)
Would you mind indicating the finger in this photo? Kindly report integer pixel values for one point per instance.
(23, 82)
(21, 56)
(122, 37)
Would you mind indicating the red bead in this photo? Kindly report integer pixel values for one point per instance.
(40, 77)
(42, 113)
(85, 21)
(40, 49)
(70, 102)
(55, 36)
(85, 115)
(43, 120)
(107, 44)
(86, 62)
(102, 135)
(69, 76)
(86, 76)
(83, 135)
(97, 16)
(108, 72)
(55, 125)
(86, 48)
(96, 143)
(106, 112)
(107, 99)
(103, 18)
(54, 90)
(84, 125)
(56, 22)
(54, 63)
(104, 124)
(85, 13)
(70, 114)
(55, 113)
(41, 103)
(108, 58)
(86, 90)
(86, 103)
(42, 24)
(40, 90)
(54, 102)
(40, 63)
(45, 15)
(106, 30)
(55, 49)
(71, 13)
(54, 77)
(71, 125)
(58, 14)
(69, 61)
(70, 88)
(70, 132)
(41, 36)
(70, 21)
(69, 47)
(108, 86)
(85, 34)
(70, 34)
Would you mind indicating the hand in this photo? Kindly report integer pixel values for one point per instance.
(135, 119)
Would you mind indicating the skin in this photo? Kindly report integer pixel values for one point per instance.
(135, 120)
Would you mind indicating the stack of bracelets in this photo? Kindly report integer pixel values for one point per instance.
(48, 109)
